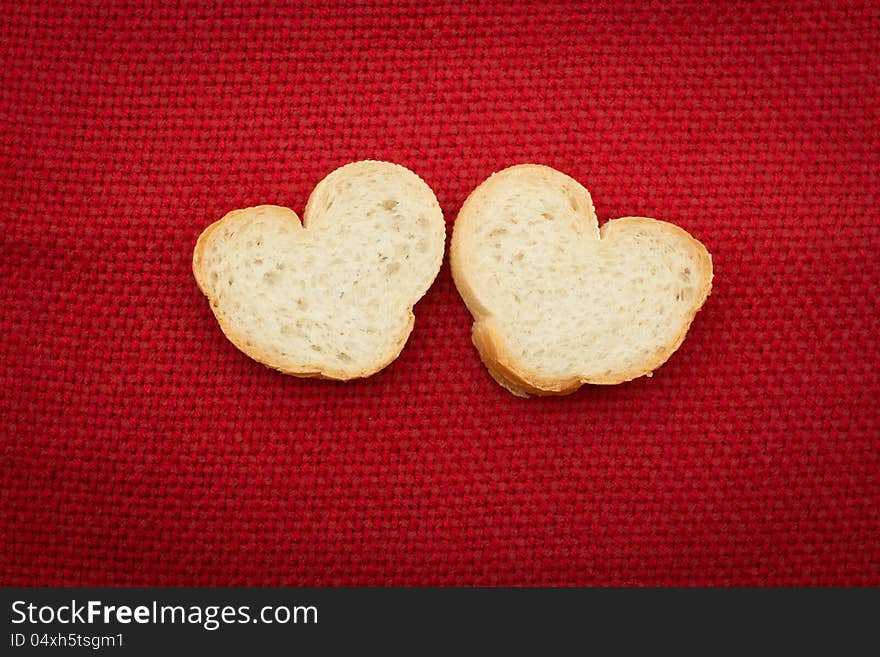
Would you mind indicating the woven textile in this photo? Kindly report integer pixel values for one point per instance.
(139, 447)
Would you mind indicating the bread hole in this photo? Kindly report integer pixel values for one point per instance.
(392, 268)
(280, 266)
(424, 224)
(497, 232)
(686, 274)
(547, 216)
(390, 204)
(572, 201)
(422, 245)
(329, 204)
(258, 261)
(344, 357)
(316, 347)
(518, 257)
(214, 275)
(270, 277)
(301, 304)
(229, 281)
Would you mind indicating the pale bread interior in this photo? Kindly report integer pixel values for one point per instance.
(332, 296)
(557, 302)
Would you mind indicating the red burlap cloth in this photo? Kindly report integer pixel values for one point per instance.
(140, 448)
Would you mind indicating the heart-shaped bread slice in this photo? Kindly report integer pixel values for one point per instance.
(330, 297)
(558, 302)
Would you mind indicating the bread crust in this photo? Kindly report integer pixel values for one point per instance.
(264, 356)
(497, 357)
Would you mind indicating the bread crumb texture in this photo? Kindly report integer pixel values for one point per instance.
(332, 296)
(557, 302)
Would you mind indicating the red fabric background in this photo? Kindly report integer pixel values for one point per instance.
(139, 447)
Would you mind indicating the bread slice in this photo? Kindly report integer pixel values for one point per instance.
(558, 302)
(330, 297)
